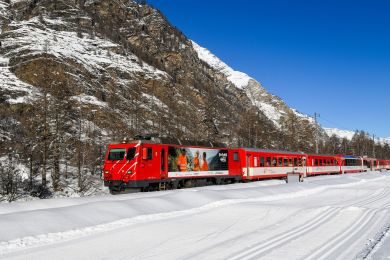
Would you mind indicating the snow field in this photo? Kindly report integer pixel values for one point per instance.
(327, 217)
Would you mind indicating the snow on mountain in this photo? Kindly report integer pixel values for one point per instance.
(385, 140)
(349, 134)
(3, 8)
(339, 133)
(273, 107)
(12, 87)
(239, 79)
(94, 54)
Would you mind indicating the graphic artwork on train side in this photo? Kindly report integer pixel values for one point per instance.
(196, 161)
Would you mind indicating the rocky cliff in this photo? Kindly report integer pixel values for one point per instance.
(97, 71)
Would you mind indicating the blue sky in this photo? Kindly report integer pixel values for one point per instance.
(329, 57)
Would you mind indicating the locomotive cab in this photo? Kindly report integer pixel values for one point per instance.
(120, 164)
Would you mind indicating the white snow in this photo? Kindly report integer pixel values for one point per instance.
(302, 115)
(153, 99)
(339, 133)
(272, 107)
(94, 54)
(384, 140)
(20, 168)
(349, 135)
(11, 85)
(239, 79)
(326, 217)
(87, 99)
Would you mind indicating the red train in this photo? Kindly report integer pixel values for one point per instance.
(154, 164)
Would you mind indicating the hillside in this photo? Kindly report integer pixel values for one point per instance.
(78, 75)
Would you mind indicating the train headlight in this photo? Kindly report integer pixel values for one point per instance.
(129, 172)
(105, 172)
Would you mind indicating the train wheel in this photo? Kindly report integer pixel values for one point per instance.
(114, 190)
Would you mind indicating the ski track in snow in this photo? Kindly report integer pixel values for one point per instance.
(292, 214)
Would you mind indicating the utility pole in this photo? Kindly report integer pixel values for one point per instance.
(316, 130)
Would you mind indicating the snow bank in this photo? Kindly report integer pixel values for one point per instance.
(40, 223)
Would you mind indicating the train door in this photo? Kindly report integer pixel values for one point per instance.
(149, 165)
(163, 163)
(248, 160)
(234, 163)
(304, 166)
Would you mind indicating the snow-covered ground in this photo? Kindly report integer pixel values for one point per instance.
(326, 217)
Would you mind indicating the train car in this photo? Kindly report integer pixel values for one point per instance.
(387, 164)
(152, 165)
(351, 164)
(374, 164)
(384, 165)
(368, 164)
(260, 164)
(323, 164)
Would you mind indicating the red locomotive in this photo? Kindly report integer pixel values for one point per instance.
(155, 164)
(151, 165)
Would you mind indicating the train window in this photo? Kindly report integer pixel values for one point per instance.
(147, 153)
(235, 156)
(254, 161)
(163, 159)
(296, 162)
(268, 161)
(280, 162)
(130, 153)
(316, 162)
(285, 162)
(274, 163)
(261, 161)
(290, 162)
(117, 154)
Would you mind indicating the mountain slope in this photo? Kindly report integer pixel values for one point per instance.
(272, 106)
(112, 70)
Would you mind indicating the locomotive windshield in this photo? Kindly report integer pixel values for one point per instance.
(131, 153)
(116, 154)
